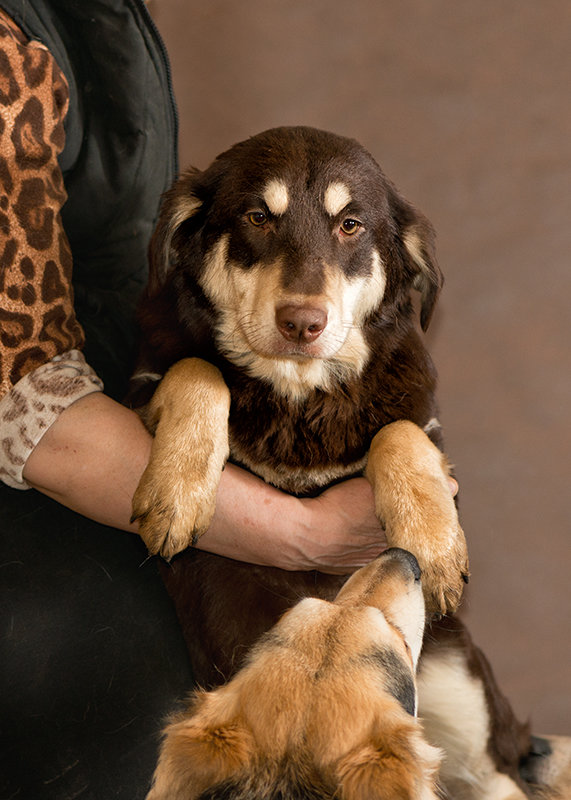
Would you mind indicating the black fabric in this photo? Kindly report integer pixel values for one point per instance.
(119, 157)
(91, 657)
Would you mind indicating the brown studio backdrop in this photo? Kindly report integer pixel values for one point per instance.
(467, 108)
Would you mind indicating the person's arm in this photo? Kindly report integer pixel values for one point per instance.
(71, 441)
(92, 457)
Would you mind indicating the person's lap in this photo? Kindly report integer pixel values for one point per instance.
(91, 658)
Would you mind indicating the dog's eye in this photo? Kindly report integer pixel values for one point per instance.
(350, 226)
(257, 218)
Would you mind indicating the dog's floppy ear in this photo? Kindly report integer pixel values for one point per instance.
(396, 764)
(417, 240)
(180, 203)
(197, 755)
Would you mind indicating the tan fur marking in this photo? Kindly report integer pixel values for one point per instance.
(337, 197)
(413, 244)
(409, 476)
(175, 499)
(214, 280)
(249, 337)
(371, 290)
(186, 206)
(276, 196)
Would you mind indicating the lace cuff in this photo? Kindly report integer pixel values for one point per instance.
(34, 403)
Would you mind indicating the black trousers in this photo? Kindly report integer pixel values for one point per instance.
(91, 657)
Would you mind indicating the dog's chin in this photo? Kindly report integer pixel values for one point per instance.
(279, 348)
(298, 354)
(294, 377)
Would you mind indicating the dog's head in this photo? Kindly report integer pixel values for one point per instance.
(297, 240)
(324, 707)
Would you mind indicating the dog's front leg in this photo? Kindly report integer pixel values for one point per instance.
(176, 496)
(413, 501)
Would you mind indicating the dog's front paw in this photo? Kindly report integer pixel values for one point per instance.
(444, 575)
(173, 511)
(174, 502)
(414, 502)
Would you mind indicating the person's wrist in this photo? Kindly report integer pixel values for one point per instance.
(293, 536)
(318, 529)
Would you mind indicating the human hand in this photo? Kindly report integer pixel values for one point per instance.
(344, 533)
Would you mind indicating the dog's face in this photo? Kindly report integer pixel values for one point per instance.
(297, 240)
(325, 706)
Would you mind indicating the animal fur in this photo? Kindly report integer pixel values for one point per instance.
(280, 330)
(288, 266)
(324, 707)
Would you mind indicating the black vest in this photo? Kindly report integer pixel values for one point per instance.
(119, 157)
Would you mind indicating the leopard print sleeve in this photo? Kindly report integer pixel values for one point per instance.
(42, 370)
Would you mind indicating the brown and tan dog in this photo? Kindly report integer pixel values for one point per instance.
(279, 330)
(288, 267)
(324, 707)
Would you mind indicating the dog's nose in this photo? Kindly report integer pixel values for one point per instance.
(405, 558)
(300, 323)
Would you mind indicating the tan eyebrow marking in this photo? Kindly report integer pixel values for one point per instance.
(276, 196)
(336, 197)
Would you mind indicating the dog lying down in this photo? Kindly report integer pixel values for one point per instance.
(279, 330)
(324, 707)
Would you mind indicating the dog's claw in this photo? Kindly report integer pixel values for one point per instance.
(444, 579)
(168, 524)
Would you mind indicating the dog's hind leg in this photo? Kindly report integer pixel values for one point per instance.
(413, 501)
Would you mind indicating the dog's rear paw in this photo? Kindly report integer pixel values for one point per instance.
(172, 514)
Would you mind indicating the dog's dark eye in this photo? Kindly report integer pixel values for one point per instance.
(350, 226)
(257, 218)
